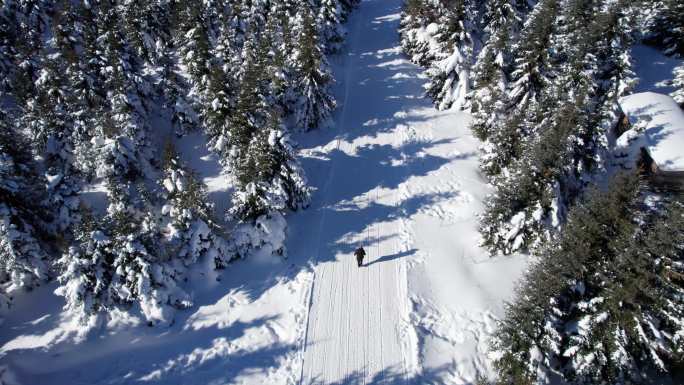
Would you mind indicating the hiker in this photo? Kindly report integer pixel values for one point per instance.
(360, 253)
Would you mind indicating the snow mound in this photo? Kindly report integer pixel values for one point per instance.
(657, 125)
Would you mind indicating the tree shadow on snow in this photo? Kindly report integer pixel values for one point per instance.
(208, 355)
(390, 376)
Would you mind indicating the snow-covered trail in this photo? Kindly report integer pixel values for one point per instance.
(358, 326)
(401, 179)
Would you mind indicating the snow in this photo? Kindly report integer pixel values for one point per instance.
(657, 125)
(654, 69)
(95, 195)
(392, 174)
(404, 182)
(193, 150)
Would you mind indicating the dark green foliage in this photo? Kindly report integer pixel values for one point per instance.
(531, 57)
(24, 260)
(268, 176)
(546, 134)
(603, 303)
(667, 28)
(314, 103)
(91, 86)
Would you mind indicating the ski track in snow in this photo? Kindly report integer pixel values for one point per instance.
(357, 315)
(402, 179)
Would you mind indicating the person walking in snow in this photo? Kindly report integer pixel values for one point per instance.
(360, 253)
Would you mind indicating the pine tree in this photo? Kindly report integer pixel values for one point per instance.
(532, 59)
(417, 15)
(503, 21)
(597, 305)
(218, 113)
(145, 25)
(24, 262)
(269, 177)
(667, 27)
(119, 262)
(145, 273)
(449, 74)
(530, 202)
(329, 18)
(47, 116)
(85, 271)
(678, 82)
(192, 38)
(191, 231)
(281, 67)
(232, 128)
(315, 102)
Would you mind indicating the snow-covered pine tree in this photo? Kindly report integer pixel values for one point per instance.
(120, 262)
(192, 39)
(678, 82)
(418, 25)
(315, 102)
(184, 117)
(270, 181)
(237, 126)
(531, 54)
(48, 116)
(603, 304)
(608, 61)
(329, 18)
(273, 57)
(190, 231)
(85, 271)
(450, 72)
(667, 27)
(146, 274)
(24, 261)
(530, 202)
(507, 122)
(198, 76)
(282, 66)
(218, 113)
(24, 24)
(440, 35)
(503, 20)
(269, 177)
(146, 27)
(122, 138)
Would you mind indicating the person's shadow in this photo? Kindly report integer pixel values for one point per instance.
(392, 257)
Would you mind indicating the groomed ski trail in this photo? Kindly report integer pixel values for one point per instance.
(358, 329)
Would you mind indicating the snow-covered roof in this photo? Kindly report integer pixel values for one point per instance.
(662, 121)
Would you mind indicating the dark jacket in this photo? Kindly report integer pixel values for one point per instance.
(360, 253)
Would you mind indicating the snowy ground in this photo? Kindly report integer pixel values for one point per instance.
(654, 69)
(404, 182)
(393, 175)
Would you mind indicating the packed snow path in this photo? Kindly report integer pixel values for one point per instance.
(358, 328)
(400, 179)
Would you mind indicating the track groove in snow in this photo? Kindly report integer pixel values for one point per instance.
(403, 180)
(357, 315)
